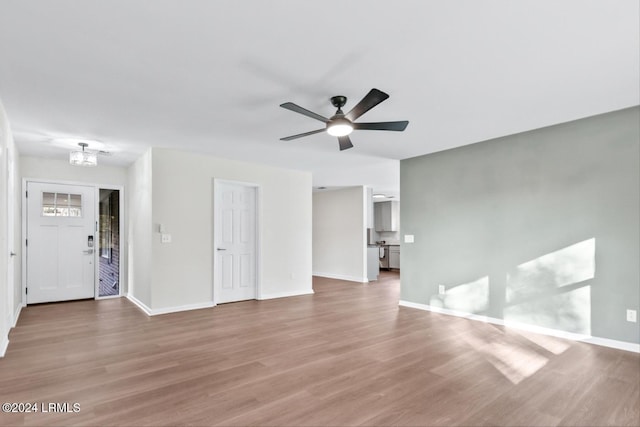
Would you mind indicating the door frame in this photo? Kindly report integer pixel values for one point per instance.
(215, 289)
(96, 189)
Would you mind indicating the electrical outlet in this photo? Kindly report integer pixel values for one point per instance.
(408, 238)
(165, 238)
(632, 316)
(442, 290)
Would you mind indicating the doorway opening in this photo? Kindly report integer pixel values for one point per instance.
(109, 243)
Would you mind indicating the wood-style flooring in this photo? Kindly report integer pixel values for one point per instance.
(346, 356)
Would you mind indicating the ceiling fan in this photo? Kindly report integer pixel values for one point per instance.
(340, 124)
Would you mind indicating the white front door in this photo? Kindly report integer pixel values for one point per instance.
(60, 242)
(235, 236)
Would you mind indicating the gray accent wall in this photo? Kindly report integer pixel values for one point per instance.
(540, 228)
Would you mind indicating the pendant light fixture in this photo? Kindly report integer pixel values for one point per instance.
(83, 158)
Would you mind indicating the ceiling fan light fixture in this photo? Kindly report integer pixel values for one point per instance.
(339, 127)
(83, 158)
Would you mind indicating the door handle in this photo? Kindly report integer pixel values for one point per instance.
(88, 251)
(221, 249)
(12, 254)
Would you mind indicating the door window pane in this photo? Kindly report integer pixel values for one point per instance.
(49, 204)
(75, 205)
(61, 204)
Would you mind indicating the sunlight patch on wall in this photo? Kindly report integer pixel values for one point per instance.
(538, 292)
(569, 311)
(573, 264)
(471, 297)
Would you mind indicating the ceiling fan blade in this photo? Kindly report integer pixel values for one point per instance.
(345, 142)
(298, 109)
(373, 98)
(300, 135)
(396, 126)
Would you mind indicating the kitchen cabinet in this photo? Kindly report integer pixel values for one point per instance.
(394, 257)
(386, 215)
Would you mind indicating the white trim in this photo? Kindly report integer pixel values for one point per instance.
(4, 344)
(188, 307)
(166, 310)
(258, 236)
(605, 342)
(341, 277)
(286, 294)
(142, 306)
(64, 182)
(16, 315)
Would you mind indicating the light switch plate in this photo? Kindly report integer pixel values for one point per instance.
(408, 238)
(166, 238)
(632, 316)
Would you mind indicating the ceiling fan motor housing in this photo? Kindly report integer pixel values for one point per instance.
(338, 101)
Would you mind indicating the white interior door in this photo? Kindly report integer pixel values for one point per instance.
(60, 242)
(235, 236)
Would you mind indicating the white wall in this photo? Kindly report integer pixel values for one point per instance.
(339, 234)
(62, 170)
(182, 272)
(139, 230)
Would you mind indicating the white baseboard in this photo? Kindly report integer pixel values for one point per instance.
(605, 342)
(166, 310)
(4, 344)
(285, 294)
(342, 277)
(142, 306)
(4, 340)
(16, 315)
(187, 307)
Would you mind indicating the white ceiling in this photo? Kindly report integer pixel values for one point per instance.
(208, 76)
